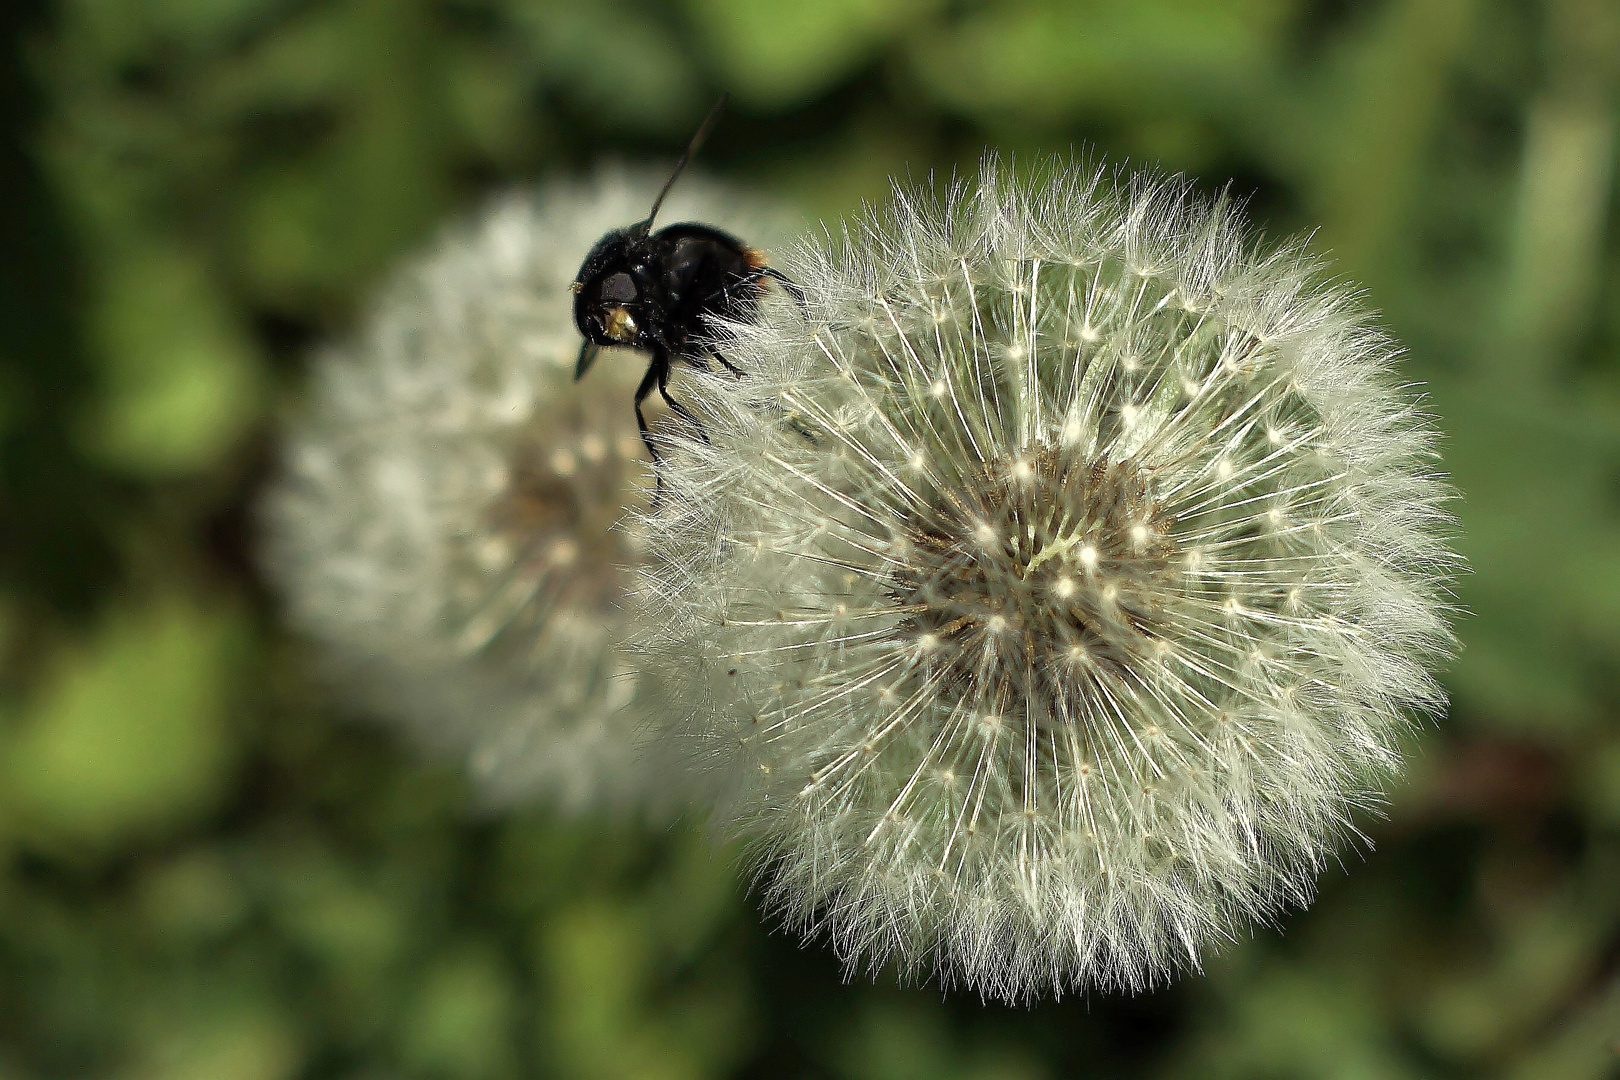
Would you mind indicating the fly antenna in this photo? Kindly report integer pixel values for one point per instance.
(686, 155)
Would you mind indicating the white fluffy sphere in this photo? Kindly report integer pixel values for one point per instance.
(1058, 585)
(445, 523)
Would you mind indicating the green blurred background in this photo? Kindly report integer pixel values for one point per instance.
(212, 873)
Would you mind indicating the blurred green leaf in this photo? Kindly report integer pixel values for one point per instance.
(1292, 1020)
(1364, 139)
(615, 62)
(1050, 60)
(459, 1023)
(194, 897)
(130, 732)
(1523, 979)
(611, 1012)
(1585, 1047)
(909, 1041)
(777, 54)
(222, 1044)
(181, 381)
(1541, 530)
(1600, 783)
(354, 929)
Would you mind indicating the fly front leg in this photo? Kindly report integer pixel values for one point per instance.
(676, 407)
(648, 381)
(657, 372)
(727, 364)
(587, 357)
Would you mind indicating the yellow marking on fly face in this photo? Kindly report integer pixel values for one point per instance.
(621, 325)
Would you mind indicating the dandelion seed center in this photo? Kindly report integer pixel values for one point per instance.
(541, 512)
(1008, 621)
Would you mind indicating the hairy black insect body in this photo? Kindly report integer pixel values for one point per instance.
(656, 291)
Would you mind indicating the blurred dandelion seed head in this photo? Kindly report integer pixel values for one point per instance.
(447, 523)
(1055, 594)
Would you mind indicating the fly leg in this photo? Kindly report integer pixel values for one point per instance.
(674, 406)
(791, 287)
(587, 357)
(727, 364)
(648, 381)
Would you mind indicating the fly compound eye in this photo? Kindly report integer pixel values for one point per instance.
(618, 287)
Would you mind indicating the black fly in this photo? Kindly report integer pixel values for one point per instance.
(653, 290)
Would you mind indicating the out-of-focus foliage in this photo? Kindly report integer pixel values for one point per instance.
(211, 874)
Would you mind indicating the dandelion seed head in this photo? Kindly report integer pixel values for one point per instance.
(1159, 706)
(447, 523)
